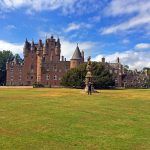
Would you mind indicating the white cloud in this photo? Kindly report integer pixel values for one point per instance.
(134, 22)
(95, 18)
(72, 26)
(75, 26)
(134, 59)
(125, 41)
(142, 46)
(118, 7)
(10, 27)
(14, 47)
(139, 10)
(67, 6)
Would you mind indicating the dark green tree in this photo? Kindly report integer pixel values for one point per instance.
(76, 77)
(19, 59)
(4, 57)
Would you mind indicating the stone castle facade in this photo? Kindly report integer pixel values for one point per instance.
(43, 64)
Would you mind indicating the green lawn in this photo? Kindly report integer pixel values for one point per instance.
(58, 119)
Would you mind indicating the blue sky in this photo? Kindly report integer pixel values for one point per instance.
(110, 28)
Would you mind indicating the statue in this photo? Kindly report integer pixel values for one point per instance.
(88, 77)
(89, 63)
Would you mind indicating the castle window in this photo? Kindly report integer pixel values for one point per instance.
(20, 69)
(20, 77)
(47, 77)
(43, 59)
(11, 69)
(55, 77)
(116, 71)
(11, 78)
(31, 77)
(32, 66)
(32, 70)
(66, 68)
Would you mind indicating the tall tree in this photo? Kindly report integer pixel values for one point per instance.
(4, 57)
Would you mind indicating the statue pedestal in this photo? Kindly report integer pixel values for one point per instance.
(86, 88)
(93, 90)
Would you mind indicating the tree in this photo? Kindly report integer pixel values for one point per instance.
(19, 59)
(126, 67)
(102, 77)
(76, 77)
(4, 57)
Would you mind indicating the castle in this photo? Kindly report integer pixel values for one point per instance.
(43, 64)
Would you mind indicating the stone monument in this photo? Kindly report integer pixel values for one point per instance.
(89, 77)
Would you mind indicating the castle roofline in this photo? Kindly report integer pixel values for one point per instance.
(77, 54)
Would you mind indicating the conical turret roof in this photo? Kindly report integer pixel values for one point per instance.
(77, 54)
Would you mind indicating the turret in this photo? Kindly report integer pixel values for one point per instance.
(39, 61)
(58, 43)
(40, 47)
(26, 48)
(57, 48)
(76, 58)
(32, 46)
(45, 49)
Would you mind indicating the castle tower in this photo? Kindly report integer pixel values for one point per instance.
(39, 61)
(27, 61)
(32, 46)
(120, 72)
(76, 59)
(52, 43)
(26, 48)
(45, 49)
(58, 49)
(103, 60)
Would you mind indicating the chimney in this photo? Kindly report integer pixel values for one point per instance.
(118, 60)
(103, 60)
(62, 58)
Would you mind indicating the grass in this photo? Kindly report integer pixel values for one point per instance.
(58, 119)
